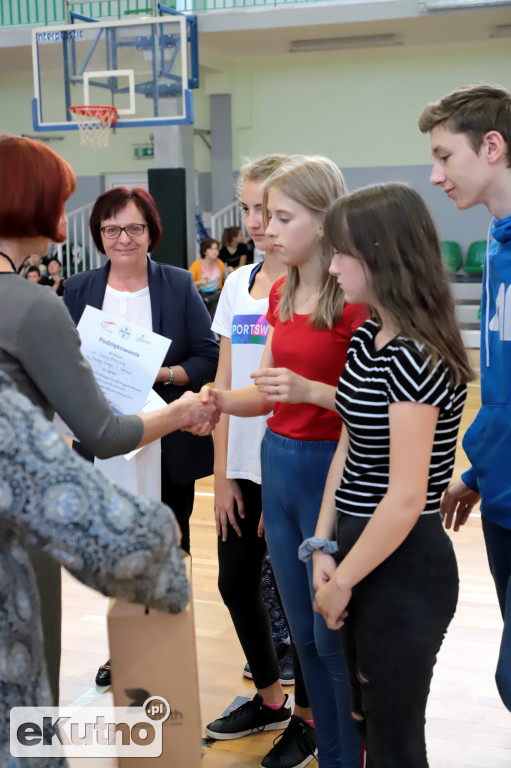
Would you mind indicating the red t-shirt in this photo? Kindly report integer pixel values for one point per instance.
(319, 355)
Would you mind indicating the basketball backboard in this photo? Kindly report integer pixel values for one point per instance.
(144, 67)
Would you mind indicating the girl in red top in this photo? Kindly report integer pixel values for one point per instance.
(310, 330)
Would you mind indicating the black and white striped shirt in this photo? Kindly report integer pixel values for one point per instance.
(371, 381)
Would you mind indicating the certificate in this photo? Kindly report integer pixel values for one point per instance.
(124, 357)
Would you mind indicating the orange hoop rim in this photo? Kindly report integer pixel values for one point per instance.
(105, 113)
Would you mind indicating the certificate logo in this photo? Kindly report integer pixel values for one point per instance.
(125, 332)
(108, 325)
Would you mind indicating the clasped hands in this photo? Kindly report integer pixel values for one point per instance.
(331, 598)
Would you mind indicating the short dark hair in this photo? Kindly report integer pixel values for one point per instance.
(205, 244)
(35, 183)
(53, 258)
(33, 269)
(115, 200)
(473, 110)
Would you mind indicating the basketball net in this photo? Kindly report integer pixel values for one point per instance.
(94, 123)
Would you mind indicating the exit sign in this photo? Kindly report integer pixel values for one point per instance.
(144, 152)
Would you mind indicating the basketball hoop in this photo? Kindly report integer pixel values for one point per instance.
(94, 123)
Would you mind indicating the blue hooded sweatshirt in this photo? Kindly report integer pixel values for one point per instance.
(487, 441)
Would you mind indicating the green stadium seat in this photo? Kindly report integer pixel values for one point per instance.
(451, 253)
(475, 258)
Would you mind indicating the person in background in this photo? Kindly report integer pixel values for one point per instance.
(470, 137)
(36, 260)
(33, 274)
(234, 252)
(306, 346)
(208, 274)
(55, 501)
(125, 226)
(400, 397)
(55, 279)
(32, 216)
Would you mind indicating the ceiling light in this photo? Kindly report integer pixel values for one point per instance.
(343, 43)
(501, 30)
(461, 5)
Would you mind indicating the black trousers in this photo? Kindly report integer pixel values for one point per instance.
(180, 499)
(240, 562)
(397, 619)
(48, 577)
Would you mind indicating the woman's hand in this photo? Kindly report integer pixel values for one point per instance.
(323, 566)
(331, 601)
(458, 500)
(280, 385)
(227, 492)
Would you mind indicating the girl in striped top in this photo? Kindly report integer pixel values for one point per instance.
(400, 397)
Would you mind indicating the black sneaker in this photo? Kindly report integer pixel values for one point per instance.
(247, 673)
(286, 666)
(286, 674)
(251, 717)
(294, 748)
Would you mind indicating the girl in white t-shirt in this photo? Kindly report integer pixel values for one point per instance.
(241, 323)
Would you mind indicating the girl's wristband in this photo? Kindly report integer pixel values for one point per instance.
(313, 544)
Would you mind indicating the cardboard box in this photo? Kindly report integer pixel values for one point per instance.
(154, 654)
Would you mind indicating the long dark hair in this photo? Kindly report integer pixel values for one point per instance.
(389, 228)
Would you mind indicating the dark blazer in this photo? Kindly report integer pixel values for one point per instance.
(178, 313)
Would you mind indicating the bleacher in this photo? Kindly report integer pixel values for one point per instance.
(466, 273)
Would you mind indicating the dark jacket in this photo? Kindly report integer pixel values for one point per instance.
(178, 313)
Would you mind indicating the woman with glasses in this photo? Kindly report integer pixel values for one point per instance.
(125, 226)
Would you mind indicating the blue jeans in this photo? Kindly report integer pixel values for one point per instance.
(498, 547)
(293, 479)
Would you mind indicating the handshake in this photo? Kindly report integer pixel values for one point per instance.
(199, 411)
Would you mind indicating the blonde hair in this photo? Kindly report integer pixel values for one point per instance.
(314, 182)
(259, 169)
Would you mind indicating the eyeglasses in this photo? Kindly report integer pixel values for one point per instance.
(132, 230)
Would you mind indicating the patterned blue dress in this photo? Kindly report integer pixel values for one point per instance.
(122, 545)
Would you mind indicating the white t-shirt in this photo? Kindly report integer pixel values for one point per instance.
(142, 473)
(242, 319)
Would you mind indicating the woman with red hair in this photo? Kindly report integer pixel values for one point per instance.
(36, 184)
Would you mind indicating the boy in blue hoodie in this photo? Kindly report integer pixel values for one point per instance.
(470, 133)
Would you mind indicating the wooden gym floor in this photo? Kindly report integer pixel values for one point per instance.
(467, 725)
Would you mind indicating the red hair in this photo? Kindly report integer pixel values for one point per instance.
(35, 183)
(114, 200)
